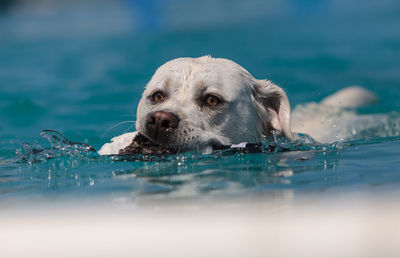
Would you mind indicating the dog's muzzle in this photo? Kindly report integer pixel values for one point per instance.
(160, 125)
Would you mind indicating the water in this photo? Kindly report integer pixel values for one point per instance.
(63, 67)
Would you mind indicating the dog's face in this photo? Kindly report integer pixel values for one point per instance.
(195, 103)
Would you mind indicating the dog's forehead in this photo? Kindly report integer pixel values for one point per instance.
(219, 74)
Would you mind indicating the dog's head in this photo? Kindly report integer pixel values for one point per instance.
(194, 103)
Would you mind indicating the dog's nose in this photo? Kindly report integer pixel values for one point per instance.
(159, 124)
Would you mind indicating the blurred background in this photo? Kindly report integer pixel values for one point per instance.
(80, 66)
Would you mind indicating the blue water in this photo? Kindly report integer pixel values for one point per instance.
(80, 68)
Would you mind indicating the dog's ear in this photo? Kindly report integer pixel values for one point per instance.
(273, 107)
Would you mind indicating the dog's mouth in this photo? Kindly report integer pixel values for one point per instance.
(159, 138)
(142, 144)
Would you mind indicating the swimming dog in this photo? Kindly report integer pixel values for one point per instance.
(199, 103)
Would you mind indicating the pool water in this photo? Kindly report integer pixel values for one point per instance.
(79, 68)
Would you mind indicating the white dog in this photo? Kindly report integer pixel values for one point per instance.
(196, 103)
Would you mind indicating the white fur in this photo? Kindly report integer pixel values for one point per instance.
(251, 109)
(117, 143)
(334, 118)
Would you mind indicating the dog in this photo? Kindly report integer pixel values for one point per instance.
(199, 103)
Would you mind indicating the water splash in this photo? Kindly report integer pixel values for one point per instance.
(70, 165)
(267, 159)
(304, 142)
(328, 124)
(59, 146)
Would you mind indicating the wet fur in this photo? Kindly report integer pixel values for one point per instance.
(250, 111)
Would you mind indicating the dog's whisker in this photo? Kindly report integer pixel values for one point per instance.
(109, 129)
(130, 127)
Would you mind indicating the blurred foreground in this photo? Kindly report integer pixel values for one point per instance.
(343, 227)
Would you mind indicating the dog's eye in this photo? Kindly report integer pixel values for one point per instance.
(211, 100)
(158, 97)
